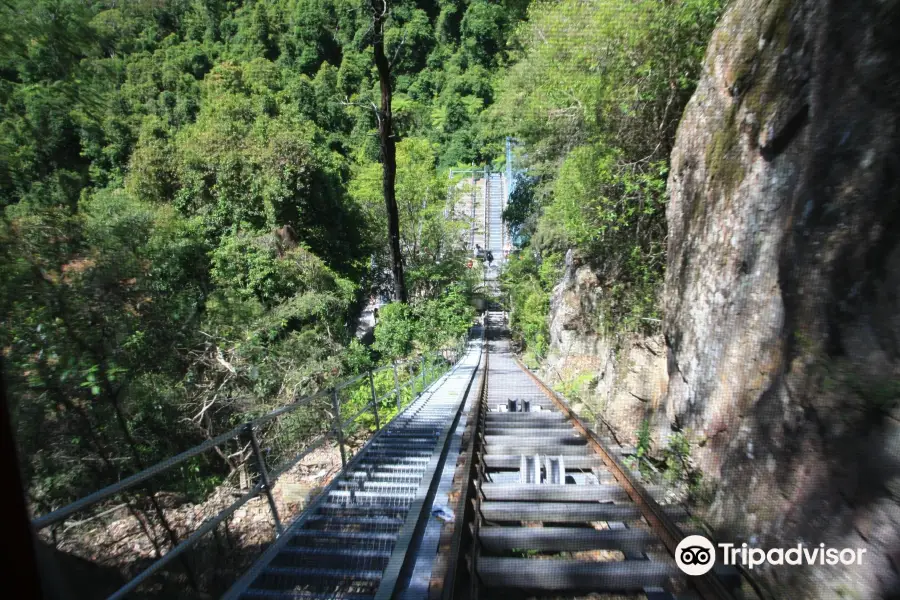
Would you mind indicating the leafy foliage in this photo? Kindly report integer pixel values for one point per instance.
(643, 439)
(192, 213)
(528, 281)
(595, 95)
(425, 325)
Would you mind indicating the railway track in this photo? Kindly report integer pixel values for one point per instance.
(541, 507)
(549, 510)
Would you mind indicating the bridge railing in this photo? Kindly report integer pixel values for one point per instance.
(145, 534)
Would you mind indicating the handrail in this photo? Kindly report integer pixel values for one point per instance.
(349, 382)
(273, 549)
(60, 514)
(267, 478)
(111, 490)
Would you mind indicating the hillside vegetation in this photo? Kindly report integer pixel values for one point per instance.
(192, 208)
(594, 95)
(192, 212)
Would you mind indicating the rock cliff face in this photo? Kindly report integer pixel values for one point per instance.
(782, 301)
(619, 381)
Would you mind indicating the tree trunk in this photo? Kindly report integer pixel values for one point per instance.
(388, 149)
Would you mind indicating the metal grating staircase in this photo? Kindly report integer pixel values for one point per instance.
(350, 543)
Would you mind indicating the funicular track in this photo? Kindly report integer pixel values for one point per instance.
(538, 506)
(548, 511)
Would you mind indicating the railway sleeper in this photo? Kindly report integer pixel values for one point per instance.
(553, 493)
(522, 430)
(574, 575)
(573, 462)
(546, 439)
(565, 539)
(532, 418)
(569, 512)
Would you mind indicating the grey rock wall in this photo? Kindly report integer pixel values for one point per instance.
(781, 299)
(620, 380)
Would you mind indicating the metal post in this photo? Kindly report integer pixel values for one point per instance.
(338, 428)
(396, 385)
(374, 401)
(264, 476)
(424, 371)
(487, 208)
(472, 245)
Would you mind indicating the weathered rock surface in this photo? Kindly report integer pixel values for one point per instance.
(619, 380)
(782, 320)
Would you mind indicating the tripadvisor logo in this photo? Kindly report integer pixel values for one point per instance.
(696, 555)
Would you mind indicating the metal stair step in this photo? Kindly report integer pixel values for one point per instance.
(300, 595)
(325, 522)
(371, 486)
(377, 476)
(369, 559)
(331, 509)
(369, 497)
(342, 535)
(301, 572)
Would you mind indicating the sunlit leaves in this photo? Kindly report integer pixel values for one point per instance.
(595, 97)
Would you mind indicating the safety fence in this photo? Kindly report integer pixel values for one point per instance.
(155, 534)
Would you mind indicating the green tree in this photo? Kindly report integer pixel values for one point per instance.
(595, 94)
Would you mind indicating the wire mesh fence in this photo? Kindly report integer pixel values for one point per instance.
(174, 531)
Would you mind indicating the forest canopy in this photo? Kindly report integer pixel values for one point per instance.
(192, 204)
(593, 94)
(192, 212)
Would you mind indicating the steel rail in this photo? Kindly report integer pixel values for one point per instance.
(708, 585)
(447, 571)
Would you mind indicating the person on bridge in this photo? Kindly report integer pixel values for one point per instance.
(490, 257)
